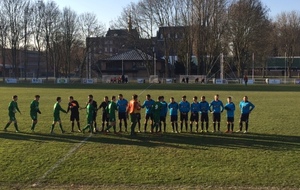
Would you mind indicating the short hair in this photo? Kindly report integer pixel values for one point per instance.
(203, 97)
(37, 96)
(195, 97)
(90, 96)
(58, 98)
(121, 95)
(15, 96)
(148, 95)
(71, 97)
(113, 97)
(106, 97)
(184, 96)
(134, 96)
(172, 98)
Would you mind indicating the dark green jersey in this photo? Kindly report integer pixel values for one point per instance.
(56, 109)
(156, 109)
(90, 109)
(111, 109)
(13, 107)
(34, 107)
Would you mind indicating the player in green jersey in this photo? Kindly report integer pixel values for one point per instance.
(111, 110)
(12, 109)
(156, 109)
(90, 109)
(56, 116)
(34, 110)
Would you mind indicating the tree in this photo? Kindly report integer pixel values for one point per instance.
(288, 35)
(247, 21)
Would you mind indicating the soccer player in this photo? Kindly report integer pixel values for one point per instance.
(148, 103)
(173, 107)
(94, 104)
(12, 109)
(90, 109)
(246, 107)
(204, 109)
(122, 104)
(163, 114)
(34, 110)
(230, 108)
(73, 106)
(216, 108)
(105, 118)
(184, 108)
(132, 110)
(195, 109)
(111, 110)
(56, 116)
(156, 109)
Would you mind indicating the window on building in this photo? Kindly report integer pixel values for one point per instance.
(105, 49)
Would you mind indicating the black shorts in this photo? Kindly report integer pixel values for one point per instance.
(194, 117)
(105, 117)
(244, 117)
(122, 115)
(74, 116)
(204, 117)
(149, 116)
(174, 118)
(216, 117)
(162, 119)
(94, 116)
(138, 116)
(230, 119)
(184, 116)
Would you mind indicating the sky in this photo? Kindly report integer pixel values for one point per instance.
(109, 10)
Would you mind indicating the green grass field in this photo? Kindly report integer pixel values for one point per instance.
(266, 158)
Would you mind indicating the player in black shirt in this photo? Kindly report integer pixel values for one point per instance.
(73, 106)
(105, 118)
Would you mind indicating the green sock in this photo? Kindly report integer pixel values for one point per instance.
(7, 125)
(16, 126)
(52, 128)
(33, 126)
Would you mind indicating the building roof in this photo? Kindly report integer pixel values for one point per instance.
(131, 55)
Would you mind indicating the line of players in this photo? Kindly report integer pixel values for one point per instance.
(155, 114)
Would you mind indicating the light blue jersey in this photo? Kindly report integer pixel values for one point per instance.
(246, 107)
(230, 108)
(122, 105)
(216, 106)
(173, 107)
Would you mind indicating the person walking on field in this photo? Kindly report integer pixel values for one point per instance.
(89, 116)
(56, 115)
(204, 109)
(216, 108)
(246, 108)
(111, 110)
(230, 108)
(156, 109)
(73, 106)
(34, 110)
(12, 109)
(133, 110)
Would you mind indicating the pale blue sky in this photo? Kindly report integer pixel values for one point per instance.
(108, 10)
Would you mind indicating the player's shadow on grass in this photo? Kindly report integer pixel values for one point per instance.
(181, 141)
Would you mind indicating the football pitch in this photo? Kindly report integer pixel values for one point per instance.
(265, 158)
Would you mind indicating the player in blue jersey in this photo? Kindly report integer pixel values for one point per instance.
(216, 108)
(246, 107)
(184, 108)
(230, 108)
(204, 109)
(163, 114)
(173, 111)
(195, 109)
(122, 104)
(148, 103)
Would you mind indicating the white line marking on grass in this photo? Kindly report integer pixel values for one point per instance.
(75, 148)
